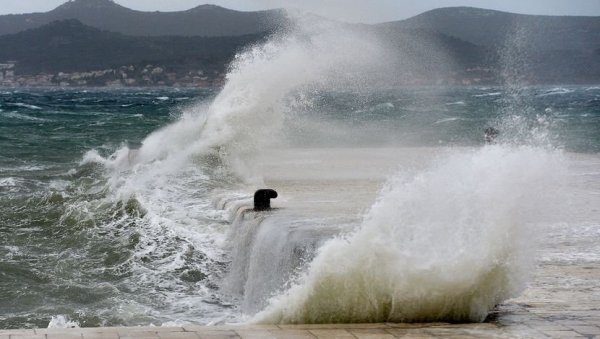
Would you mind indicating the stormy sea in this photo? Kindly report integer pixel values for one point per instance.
(124, 207)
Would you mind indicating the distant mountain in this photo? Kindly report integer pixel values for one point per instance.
(450, 45)
(540, 48)
(494, 28)
(205, 20)
(69, 45)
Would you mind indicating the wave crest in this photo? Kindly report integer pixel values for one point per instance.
(445, 245)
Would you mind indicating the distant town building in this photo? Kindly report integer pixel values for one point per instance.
(7, 72)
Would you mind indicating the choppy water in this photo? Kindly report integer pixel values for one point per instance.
(105, 236)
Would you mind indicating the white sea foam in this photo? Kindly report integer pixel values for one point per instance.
(62, 321)
(446, 244)
(12, 251)
(22, 116)
(10, 182)
(24, 105)
(386, 105)
(571, 243)
(441, 121)
(491, 94)
(557, 91)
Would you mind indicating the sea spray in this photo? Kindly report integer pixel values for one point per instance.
(264, 83)
(447, 244)
(212, 146)
(175, 237)
(62, 321)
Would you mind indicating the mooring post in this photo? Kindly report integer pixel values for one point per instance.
(262, 199)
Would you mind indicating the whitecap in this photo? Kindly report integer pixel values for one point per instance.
(21, 116)
(492, 94)
(12, 251)
(62, 321)
(31, 168)
(23, 105)
(387, 105)
(557, 91)
(10, 182)
(441, 121)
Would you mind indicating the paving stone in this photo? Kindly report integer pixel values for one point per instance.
(138, 333)
(67, 333)
(242, 327)
(331, 334)
(216, 334)
(17, 332)
(167, 329)
(572, 322)
(409, 333)
(413, 325)
(550, 327)
(590, 330)
(333, 326)
(100, 335)
(64, 335)
(563, 334)
(255, 334)
(27, 336)
(292, 334)
(104, 330)
(373, 333)
(404, 326)
(178, 335)
(449, 333)
(592, 320)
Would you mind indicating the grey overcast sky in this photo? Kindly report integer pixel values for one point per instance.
(368, 11)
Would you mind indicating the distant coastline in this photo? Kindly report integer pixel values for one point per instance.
(125, 76)
(91, 43)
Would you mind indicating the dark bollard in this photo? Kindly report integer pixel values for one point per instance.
(490, 134)
(262, 199)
